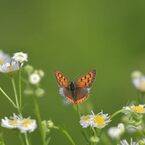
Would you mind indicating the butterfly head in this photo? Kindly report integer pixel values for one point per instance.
(72, 86)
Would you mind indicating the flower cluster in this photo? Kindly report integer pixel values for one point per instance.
(11, 64)
(33, 84)
(17, 122)
(99, 120)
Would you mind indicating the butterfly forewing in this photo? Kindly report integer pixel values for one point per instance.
(61, 79)
(86, 80)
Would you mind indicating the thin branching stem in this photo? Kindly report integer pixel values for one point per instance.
(65, 132)
(18, 105)
(20, 88)
(15, 93)
(37, 112)
(9, 99)
(116, 113)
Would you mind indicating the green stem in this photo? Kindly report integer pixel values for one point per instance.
(26, 139)
(116, 113)
(20, 88)
(11, 101)
(68, 136)
(94, 131)
(15, 93)
(37, 112)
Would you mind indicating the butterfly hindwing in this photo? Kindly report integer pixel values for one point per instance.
(87, 80)
(80, 95)
(61, 79)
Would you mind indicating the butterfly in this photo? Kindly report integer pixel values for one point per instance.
(75, 91)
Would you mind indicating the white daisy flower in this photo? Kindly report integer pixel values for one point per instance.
(4, 57)
(86, 121)
(9, 67)
(20, 57)
(34, 78)
(100, 120)
(124, 142)
(138, 109)
(116, 132)
(10, 123)
(138, 80)
(27, 125)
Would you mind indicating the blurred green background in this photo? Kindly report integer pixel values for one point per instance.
(74, 37)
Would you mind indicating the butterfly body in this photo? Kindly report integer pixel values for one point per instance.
(75, 91)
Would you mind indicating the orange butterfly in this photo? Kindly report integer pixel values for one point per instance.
(75, 91)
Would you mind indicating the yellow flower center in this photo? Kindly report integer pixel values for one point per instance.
(86, 118)
(13, 122)
(99, 120)
(1, 61)
(26, 123)
(138, 109)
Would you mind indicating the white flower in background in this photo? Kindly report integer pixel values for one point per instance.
(4, 57)
(34, 78)
(20, 57)
(124, 142)
(138, 80)
(29, 68)
(10, 123)
(138, 109)
(27, 125)
(86, 121)
(9, 67)
(116, 132)
(100, 120)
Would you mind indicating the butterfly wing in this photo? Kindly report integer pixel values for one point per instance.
(61, 79)
(83, 85)
(63, 83)
(86, 80)
(80, 95)
(68, 95)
